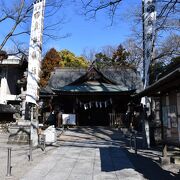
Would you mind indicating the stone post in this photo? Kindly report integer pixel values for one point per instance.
(34, 126)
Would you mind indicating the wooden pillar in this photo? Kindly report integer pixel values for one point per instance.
(59, 119)
(74, 110)
(74, 105)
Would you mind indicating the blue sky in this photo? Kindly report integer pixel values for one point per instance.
(85, 34)
(92, 33)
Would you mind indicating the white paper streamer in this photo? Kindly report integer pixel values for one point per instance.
(96, 104)
(100, 104)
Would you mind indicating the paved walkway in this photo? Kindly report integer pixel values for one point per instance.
(19, 159)
(86, 154)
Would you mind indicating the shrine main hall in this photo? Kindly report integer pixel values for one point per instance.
(92, 94)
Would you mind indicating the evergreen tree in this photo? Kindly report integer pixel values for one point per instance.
(119, 58)
(54, 59)
(51, 60)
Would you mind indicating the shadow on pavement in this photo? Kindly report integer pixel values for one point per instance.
(112, 159)
(111, 142)
(149, 168)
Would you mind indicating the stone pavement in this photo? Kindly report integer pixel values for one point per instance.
(20, 162)
(86, 154)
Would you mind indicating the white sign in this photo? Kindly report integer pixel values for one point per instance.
(35, 50)
(149, 34)
(69, 119)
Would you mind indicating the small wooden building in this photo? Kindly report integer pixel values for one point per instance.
(165, 94)
(96, 97)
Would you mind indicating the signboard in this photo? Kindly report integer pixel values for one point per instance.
(149, 35)
(69, 119)
(171, 123)
(35, 50)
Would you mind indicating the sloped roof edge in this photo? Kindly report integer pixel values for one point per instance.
(158, 85)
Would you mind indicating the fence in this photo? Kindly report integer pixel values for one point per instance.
(116, 119)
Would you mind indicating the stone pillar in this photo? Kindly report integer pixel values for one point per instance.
(145, 128)
(4, 87)
(34, 126)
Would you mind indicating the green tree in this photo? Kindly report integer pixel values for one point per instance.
(161, 69)
(69, 59)
(50, 61)
(156, 70)
(64, 58)
(102, 60)
(118, 58)
(174, 63)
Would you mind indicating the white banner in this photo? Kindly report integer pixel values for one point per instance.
(149, 33)
(35, 50)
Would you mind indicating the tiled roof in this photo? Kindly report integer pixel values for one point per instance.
(126, 77)
(122, 78)
(65, 76)
(93, 87)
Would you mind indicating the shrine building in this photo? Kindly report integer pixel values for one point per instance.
(95, 96)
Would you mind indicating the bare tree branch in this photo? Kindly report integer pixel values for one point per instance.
(91, 7)
(17, 21)
(19, 15)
